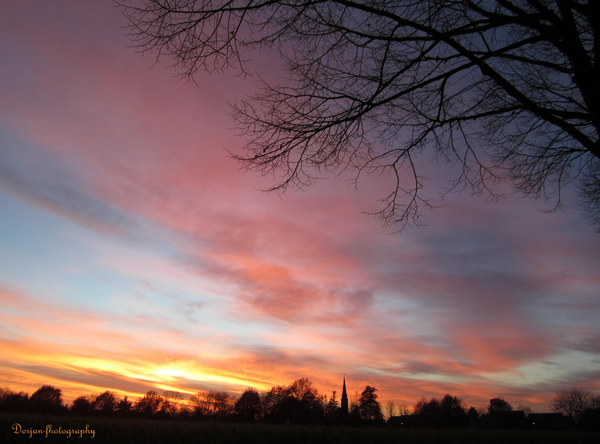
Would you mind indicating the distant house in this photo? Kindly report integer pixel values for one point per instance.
(513, 419)
(549, 421)
(406, 421)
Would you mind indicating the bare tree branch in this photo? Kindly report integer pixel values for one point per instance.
(508, 89)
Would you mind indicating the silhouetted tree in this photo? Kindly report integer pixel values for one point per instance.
(571, 402)
(368, 405)
(499, 405)
(332, 405)
(248, 407)
(506, 89)
(199, 404)
(223, 404)
(403, 409)
(106, 402)
(124, 407)
(47, 399)
(424, 407)
(289, 410)
(13, 402)
(453, 412)
(354, 404)
(82, 406)
(390, 408)
(300, 402)
(525, 408)
(212, 403)
(171, 401)
(149, 404)
(472, 414)
(4, 392)
(303, 389)
(271, 398)
(447, 412)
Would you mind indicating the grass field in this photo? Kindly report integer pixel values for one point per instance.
(113, 430)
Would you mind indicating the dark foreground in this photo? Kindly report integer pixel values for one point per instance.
(53, 429)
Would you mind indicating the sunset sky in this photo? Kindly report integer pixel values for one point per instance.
(136, 255)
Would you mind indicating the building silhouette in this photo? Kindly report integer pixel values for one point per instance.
(344, 408)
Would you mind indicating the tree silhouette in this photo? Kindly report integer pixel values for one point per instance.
(248, 404)
(453, 412)
(106, 402)
(332, 405)
(403, 409)
(47, 399)
(13, 402)
(149, 404)
(212, 403)
(502, 89)
(390, 408)
(424, 407)
(573, 402)
(368, 405)
(527, 409)
(300, 402)
(171, 400)
(499, 405)
(248, 407)
(81, 406)
(124, 406)
(447, 412)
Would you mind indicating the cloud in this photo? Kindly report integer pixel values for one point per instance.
(50, 182)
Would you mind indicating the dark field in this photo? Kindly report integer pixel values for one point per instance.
(113, 430)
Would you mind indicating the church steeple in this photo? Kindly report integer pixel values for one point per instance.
(344, 398)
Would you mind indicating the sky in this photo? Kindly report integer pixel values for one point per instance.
(136, 255)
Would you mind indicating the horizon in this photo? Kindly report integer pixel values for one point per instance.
(135, 255)
(353, 399)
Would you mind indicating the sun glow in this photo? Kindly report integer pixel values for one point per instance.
(173, 372)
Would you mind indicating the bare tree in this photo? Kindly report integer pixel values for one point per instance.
(571, 402)
(390, 408)
(212, 403)
(527, 409)
(501, 89)
(171, 401)
(354, 402)
(403, 409)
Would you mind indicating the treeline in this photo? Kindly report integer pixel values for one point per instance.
(572, 409)
(297, 403)
(301, 403)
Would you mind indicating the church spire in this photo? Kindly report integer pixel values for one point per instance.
(344, 398)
